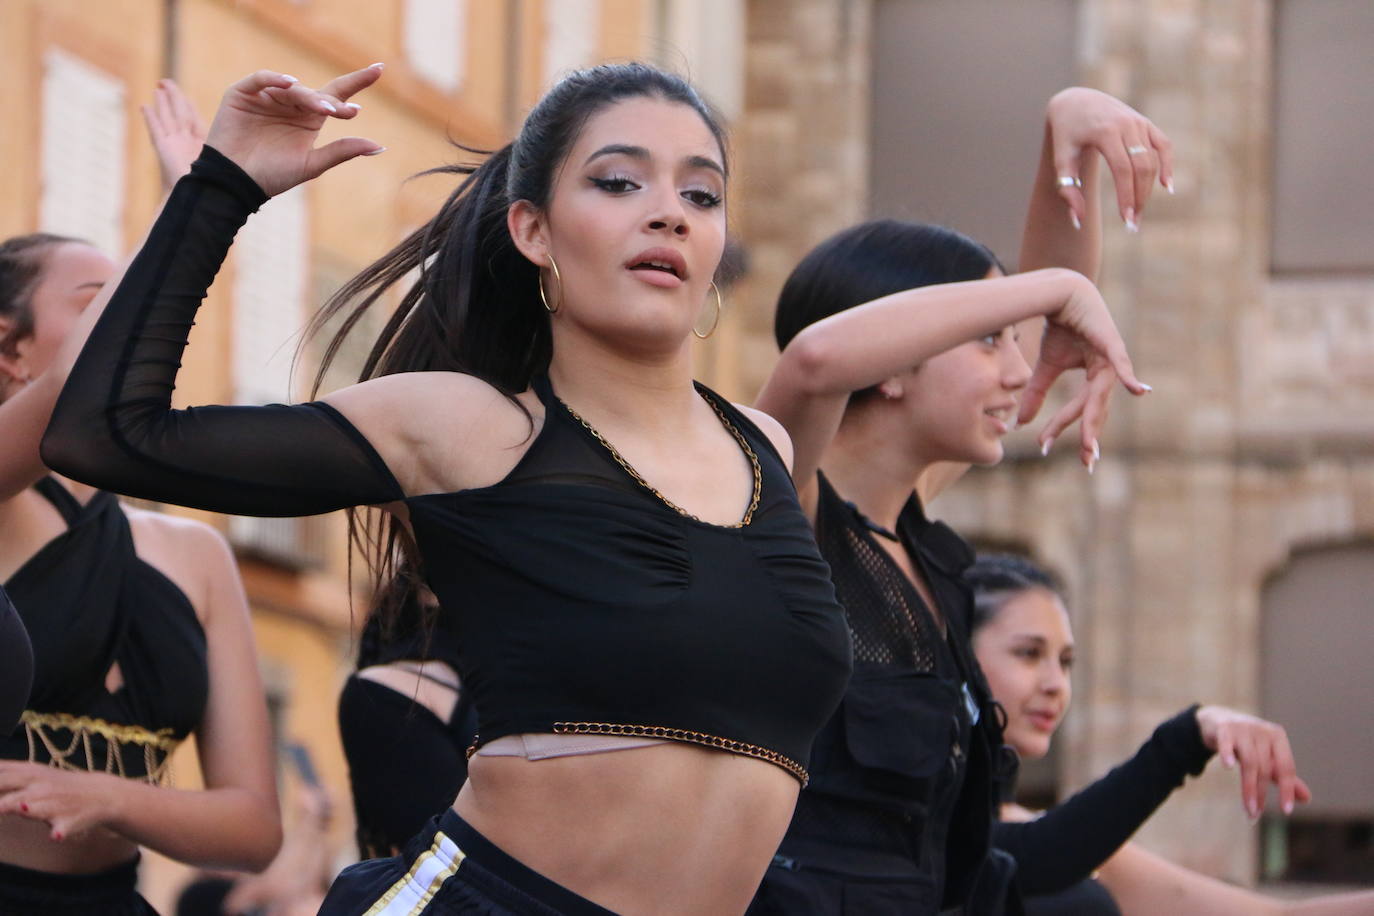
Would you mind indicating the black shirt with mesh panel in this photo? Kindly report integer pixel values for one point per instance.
(902, 794)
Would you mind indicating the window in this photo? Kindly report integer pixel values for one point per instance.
(1323, 133)
(436, 41)
(271, 282)
(271, 274)
(572, 30)
(1318, 637)
(959, 93)
(83, 152)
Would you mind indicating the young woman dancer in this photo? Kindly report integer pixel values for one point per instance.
(647, 629)
(899, 356)
(1024, 644)
(405, 720)
(140, 634)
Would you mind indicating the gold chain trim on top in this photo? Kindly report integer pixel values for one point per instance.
(629, 468)
(38, 728)
(691, 737)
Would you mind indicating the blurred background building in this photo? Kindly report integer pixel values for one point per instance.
(1224, 550)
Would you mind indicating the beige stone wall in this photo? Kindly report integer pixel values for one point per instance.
(1256, 442)
(802, 157)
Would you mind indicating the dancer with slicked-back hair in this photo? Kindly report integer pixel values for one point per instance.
(899, 363)
(644, 623)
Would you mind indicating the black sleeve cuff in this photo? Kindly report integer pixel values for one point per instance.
(213, 167)
(1180, 739)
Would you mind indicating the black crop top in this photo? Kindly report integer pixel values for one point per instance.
(16, 665)
(88, 602)
(405, 762)
(586, 604)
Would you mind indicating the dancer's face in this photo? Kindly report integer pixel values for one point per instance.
(961, 403)
(1026, 652)
(644, 182)
(71, 276)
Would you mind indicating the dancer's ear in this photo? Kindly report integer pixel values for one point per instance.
(13, 368)
(529, 227)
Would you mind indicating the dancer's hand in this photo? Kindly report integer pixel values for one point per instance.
(71, 803)
(175, 129)
(1083, 122)
(1261, 749)
(1080, 335)
(268, 122)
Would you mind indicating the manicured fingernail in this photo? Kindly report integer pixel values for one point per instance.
(1092, 466)
(1229, 761)
(1169, 186)
(1131, 224)
(23, 806)
(1254, 810)
(57, 835)
(377, 66)
(375, 152)
(289, 78)
(328, 107)
(354, 105)
(1077, 223)
(1097, 452)
(1288, 807)
(1045, 446)
(1145, 387)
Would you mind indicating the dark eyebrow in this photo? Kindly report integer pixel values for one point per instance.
(642, 154)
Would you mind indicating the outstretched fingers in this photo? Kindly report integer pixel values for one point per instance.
(349, 84)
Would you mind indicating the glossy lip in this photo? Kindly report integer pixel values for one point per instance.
(657, 277)
(1042, 720)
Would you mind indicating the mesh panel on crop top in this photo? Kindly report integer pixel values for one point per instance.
(576, 460)
(887, 618)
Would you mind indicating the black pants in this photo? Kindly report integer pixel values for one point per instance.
(449, 869)
(825, 887)
(25, 892)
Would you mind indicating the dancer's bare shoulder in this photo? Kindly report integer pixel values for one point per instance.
(441, 431)
(772, 429)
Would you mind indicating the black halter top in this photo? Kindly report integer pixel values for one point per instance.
(89, 603)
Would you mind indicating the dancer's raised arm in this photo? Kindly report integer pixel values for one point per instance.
(861, 347)
(65, 280)
(113, 426)
(1064, 220)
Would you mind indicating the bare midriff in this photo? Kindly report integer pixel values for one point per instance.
(669, 829)
(29, 844)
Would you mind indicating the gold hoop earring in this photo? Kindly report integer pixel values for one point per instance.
(714, 324)
(557, 276)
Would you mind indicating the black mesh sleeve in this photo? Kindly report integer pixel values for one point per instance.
(1072, 840)
(114, 428)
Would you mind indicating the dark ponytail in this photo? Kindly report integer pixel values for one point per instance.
(475, 307)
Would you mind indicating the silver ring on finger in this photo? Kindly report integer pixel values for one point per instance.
(1070, 181)
(1137, 150)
